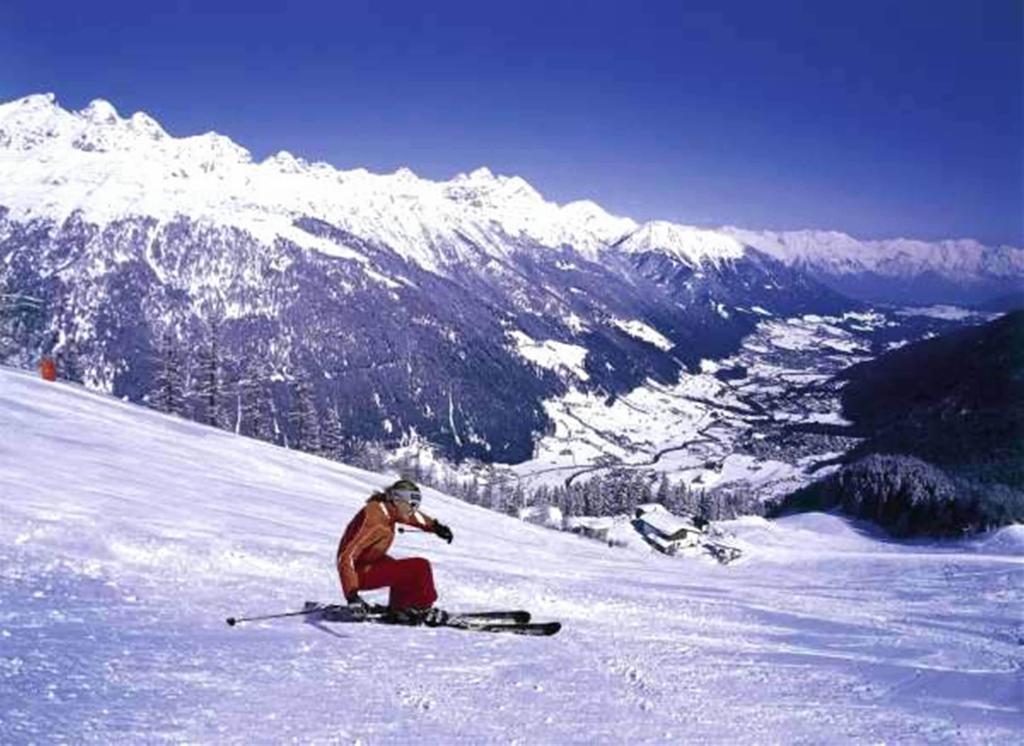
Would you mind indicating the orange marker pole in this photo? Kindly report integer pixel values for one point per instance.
(48, 369)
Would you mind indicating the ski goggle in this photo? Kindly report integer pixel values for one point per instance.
(410, 496)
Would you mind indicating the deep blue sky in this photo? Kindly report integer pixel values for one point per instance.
(877, 118)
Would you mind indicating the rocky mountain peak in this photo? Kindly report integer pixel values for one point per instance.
(106, 167)
(100, 111)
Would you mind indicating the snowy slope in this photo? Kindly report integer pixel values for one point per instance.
(126, 537)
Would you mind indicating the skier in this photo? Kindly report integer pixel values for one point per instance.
(363, 562)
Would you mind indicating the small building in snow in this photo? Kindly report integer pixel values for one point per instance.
(547, 515)
(664, 531)
(598, 528)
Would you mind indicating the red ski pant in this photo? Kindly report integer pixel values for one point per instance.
(411, 581)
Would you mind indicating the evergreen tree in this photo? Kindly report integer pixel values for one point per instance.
(707, 506)
(65, 351)
(209, 386)
(23, 322)
(254, 413)
(559, 497)
(247, 397)
(664, 493)
(573, 501)
(518, 497)
(303, 416)
(491, 498)
(229, 416)
(471, 491)
(265, 415)
(69, 364)
(638, 492)
(595, 497)
(682, 500)
(449, 484)
(331, 436)
(168, 394)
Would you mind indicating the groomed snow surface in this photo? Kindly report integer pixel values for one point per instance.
(127, 537)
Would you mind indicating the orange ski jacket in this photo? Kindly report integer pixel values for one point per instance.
(369, 535)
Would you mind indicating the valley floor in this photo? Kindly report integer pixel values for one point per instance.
(126, 538)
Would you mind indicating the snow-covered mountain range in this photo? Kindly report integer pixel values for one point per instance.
(410, 306)
(105, 167)
(898, 270)
(57, 162)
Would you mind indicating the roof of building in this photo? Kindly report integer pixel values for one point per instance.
(668, 525)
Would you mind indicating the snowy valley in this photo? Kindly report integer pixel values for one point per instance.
(127, 536)
(329, 310)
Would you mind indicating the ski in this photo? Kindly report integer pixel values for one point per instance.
(533, 629)
(511, 621)
(517, 616)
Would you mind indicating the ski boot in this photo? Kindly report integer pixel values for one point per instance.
(430, 616)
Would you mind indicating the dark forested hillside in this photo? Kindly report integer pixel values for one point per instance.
(956, 401)
(384, 347)
(944, 427)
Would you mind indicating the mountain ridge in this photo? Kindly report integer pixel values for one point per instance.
(399, 305)
(414, 215)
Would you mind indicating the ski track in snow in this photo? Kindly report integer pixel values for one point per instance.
(127, 537)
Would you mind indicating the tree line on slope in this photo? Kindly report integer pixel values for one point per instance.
(615, 491)
(908, 497)
(243, 395)
(204, 384)
(238, 395)
(942, 428)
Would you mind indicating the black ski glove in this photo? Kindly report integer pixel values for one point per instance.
(443, 531)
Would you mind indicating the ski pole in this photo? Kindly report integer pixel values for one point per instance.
(232, 621)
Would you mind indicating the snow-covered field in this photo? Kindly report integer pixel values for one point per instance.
(698, 429)
(127, 537)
